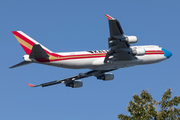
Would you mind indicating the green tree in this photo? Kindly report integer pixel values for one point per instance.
(144, 107)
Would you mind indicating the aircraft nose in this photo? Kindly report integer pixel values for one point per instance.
(166, 53)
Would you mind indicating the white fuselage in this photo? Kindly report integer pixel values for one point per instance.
(95, 59)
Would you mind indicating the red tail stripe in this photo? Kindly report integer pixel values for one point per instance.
(28, 51)
(23, 38)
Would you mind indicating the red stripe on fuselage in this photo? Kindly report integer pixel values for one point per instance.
(77, 58)
(154, 52)
(88, 56)
(52, 54)
(73, 57)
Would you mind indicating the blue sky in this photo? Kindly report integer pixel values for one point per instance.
(64, 26)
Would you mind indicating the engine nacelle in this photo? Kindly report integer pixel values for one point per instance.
(131, 39)
(106, 77)
(138, 51)
(75, 84)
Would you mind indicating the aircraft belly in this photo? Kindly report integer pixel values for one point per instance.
(115, 64)
(73, 64)
(150, 59)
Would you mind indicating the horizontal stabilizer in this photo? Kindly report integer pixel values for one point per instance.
(38, 52)
(21, 64)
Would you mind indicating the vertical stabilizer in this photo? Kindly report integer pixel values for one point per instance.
(27, 42)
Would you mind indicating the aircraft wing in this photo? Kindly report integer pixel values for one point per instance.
(70, 81)
(114, 27)
(118, 45)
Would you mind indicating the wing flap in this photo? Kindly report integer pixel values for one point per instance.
(117, 42)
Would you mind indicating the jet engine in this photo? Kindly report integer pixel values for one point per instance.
(106, 77)
(75, 84)
(131, 39)
(138, 51)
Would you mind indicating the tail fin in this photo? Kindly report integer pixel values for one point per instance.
(33, 50)
(27, 42)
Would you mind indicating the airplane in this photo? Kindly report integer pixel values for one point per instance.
(100, 62)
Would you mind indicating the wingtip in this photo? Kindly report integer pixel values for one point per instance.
(109, 17)
(31, 85)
